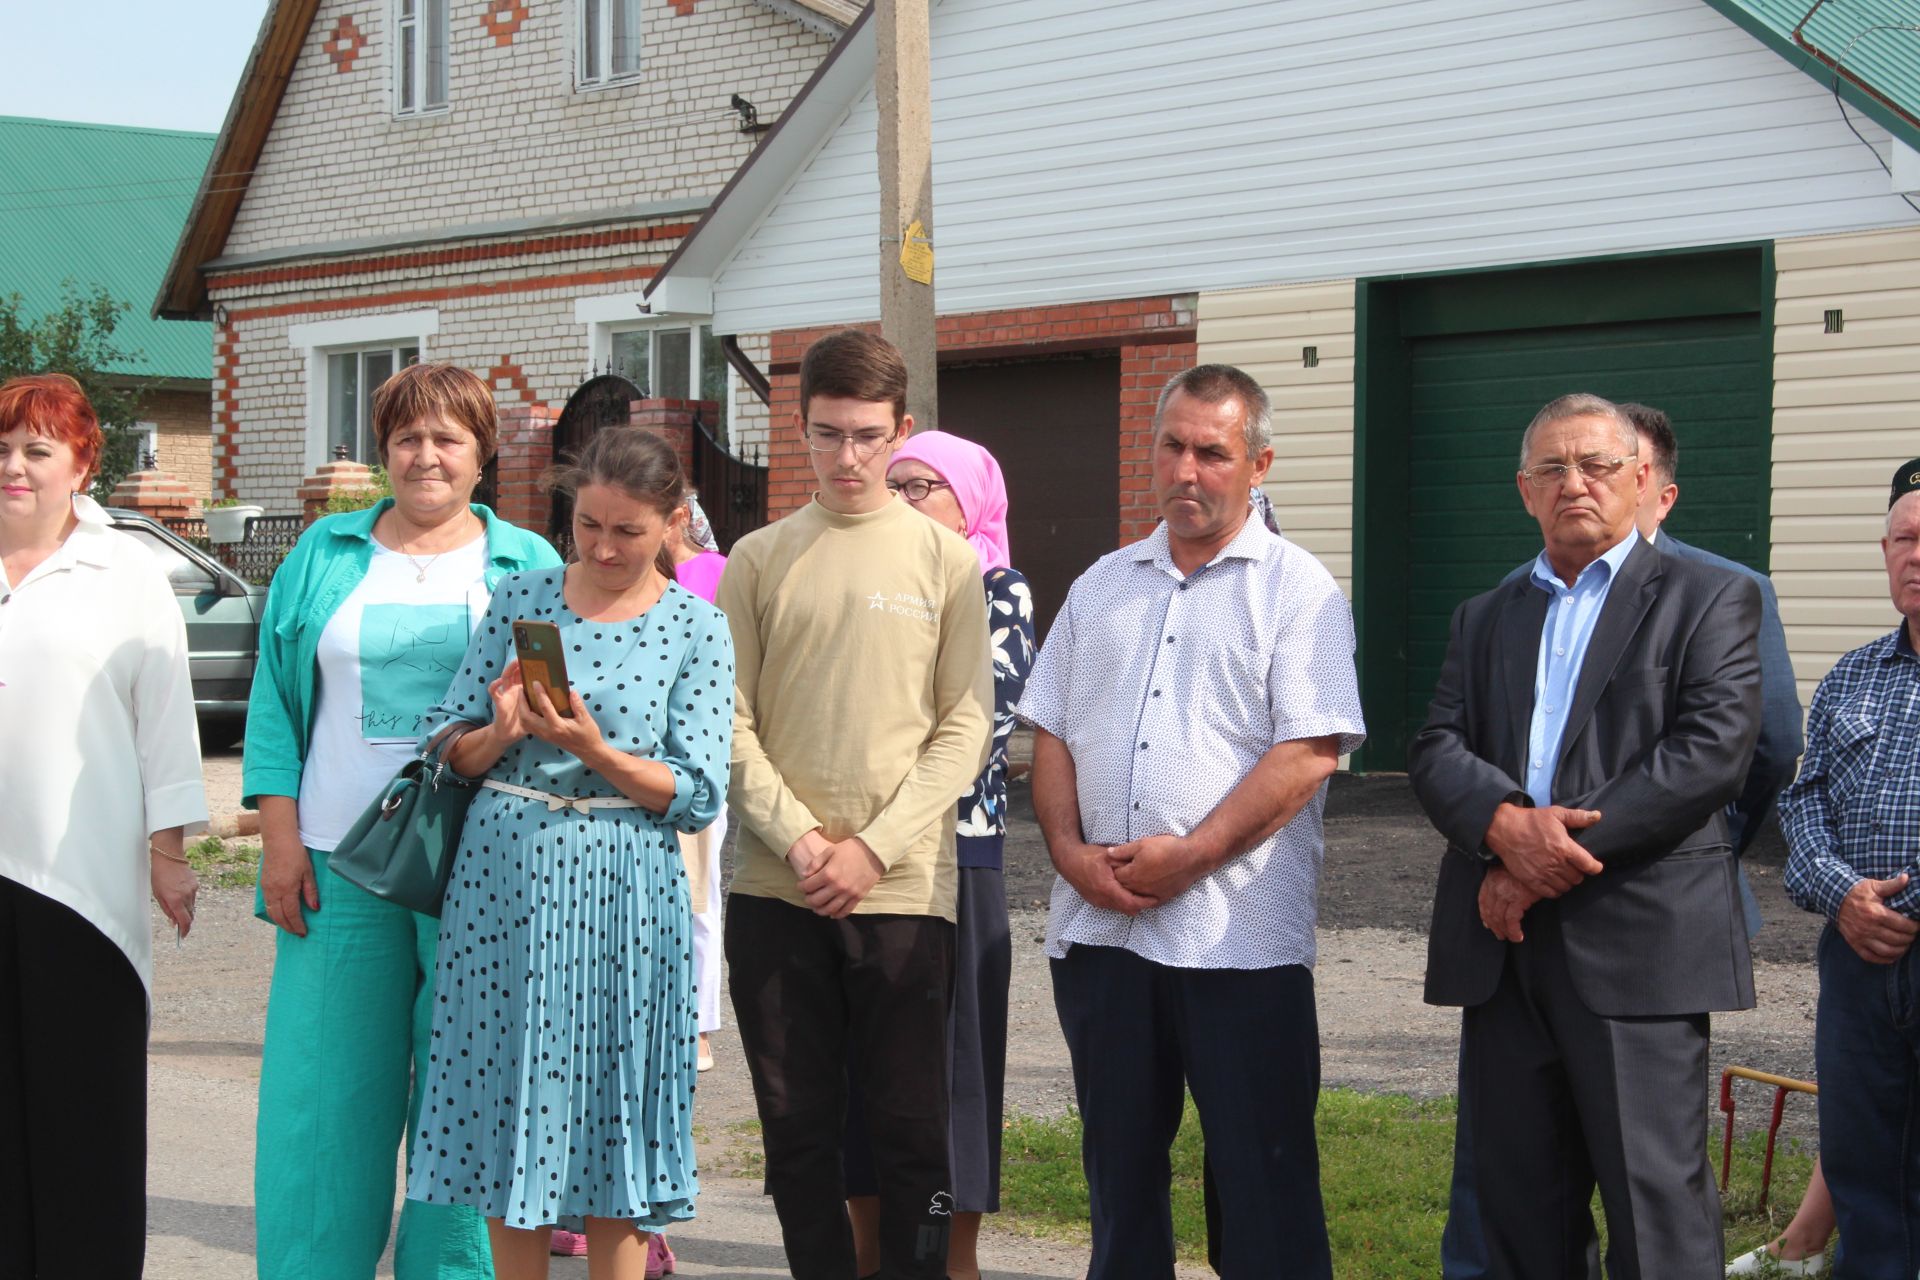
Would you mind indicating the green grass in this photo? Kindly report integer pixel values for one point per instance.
(1385, 1162)
(223, 865)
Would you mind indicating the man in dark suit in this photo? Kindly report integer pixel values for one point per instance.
(1591, 723)
(1462, 1254)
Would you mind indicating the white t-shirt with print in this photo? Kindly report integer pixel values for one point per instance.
(385, 659)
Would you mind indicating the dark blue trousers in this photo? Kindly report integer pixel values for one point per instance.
(1246, 1043)
(1866, 1047)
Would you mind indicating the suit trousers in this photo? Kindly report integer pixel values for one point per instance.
(73, 1096)
(1246, 1043)
(814, 998)
(1559, 1098)
(1867, 1049)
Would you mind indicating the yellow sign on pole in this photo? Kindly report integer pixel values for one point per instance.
(916, 253)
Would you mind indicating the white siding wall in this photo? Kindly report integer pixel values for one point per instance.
(1089, 149)
(1263, 331)
(1846, 412)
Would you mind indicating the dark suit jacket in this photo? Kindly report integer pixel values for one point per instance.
(1662, 727)
(1780, 744)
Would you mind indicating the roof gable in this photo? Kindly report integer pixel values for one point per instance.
(1874, 43)
(102, 205)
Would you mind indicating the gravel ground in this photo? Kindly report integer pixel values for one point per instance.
(1376, 895)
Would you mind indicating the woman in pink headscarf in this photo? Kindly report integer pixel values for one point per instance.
(957, 483)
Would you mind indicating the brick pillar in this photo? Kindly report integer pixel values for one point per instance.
(1144, 370)
(673, 419)
(342, 475)
(790, 478)
(525, 453)
(154, 493)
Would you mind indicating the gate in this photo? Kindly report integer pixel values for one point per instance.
(603, 401)
(733, 491)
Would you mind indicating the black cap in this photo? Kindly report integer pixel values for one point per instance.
(1905, 480)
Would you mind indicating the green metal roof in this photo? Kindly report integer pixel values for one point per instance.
(1872, 41)
(103, 205)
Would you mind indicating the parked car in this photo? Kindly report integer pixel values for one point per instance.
(222, 611)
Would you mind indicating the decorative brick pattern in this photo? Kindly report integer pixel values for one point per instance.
(683, 7)
(1154, 338)
(506, 378)
(226, 411)
(344, 45)
(431, 259)
(502, 20)
(518, 139)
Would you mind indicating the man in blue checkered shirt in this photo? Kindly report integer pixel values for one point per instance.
(1852, 821)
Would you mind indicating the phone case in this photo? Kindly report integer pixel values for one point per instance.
(543, 662)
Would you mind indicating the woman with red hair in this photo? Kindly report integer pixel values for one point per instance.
(100, 770)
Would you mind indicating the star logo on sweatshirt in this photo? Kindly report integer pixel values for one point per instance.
(876, 601)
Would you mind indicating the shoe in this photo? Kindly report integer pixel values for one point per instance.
(659, 1257)
(704, 1062)
(568, 1244)
(1761, 1263)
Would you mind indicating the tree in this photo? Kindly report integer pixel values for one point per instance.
(77, 339)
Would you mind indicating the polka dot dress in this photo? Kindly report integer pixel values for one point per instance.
(562, 1072)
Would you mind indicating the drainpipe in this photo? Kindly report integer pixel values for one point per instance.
(744, 366)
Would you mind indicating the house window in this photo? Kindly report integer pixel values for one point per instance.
(609, 41)
(352, 378)
(420, 56)
(680, 362)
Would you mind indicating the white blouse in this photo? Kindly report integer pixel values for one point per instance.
(98, 745)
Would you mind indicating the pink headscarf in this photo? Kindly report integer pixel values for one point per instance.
(977, 486)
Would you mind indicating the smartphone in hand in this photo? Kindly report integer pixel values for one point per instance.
(542, 662)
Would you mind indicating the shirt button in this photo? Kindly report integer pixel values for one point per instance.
(1566, 599)
(1183, 587)
(1136, 804)
(1156, 693)
(1169, 639)
(1143, 746)
(1549, 710)
(1559, 653)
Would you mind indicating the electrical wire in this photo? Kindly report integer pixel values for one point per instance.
(1839, 65)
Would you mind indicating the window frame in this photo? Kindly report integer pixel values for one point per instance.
(413, 72)
(597, 45)
(320, 341)
(600, 356)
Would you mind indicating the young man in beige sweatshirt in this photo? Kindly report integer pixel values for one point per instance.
(863, 710)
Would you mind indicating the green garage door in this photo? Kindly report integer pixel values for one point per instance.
(1473, 359)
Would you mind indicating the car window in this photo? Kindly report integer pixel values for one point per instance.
(189, 577)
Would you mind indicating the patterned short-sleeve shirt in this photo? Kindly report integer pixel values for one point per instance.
(1167, 690)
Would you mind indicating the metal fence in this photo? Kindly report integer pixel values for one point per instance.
(267, 541)
(192, 528)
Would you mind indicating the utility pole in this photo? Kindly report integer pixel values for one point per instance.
(902, 83)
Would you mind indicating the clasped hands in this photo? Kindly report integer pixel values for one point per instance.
(1539, 858)
(835, 875)
(1131, 877)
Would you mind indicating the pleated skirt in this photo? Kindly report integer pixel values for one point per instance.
(563, 1033)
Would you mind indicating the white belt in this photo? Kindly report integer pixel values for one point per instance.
(554, 803)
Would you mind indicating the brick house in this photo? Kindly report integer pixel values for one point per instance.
(1415, 221)
(490, 182)
(98, 206)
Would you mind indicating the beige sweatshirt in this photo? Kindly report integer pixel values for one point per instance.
(863, 700)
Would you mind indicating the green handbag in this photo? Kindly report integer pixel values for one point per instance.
(402, 847)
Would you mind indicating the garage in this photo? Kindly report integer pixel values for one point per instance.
(1452, 369)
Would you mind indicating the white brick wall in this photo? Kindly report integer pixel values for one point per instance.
(517, 140)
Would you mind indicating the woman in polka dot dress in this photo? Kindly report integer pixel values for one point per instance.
(562, 1070)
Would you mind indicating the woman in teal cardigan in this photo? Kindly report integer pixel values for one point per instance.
(365, 625)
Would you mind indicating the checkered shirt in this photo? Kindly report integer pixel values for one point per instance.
(1854, 811)
(1167, 690)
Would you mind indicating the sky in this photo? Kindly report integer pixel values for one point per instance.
(135, 62)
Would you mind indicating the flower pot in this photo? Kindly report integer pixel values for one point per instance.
(229, 524)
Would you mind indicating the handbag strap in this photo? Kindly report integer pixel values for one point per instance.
(440, 746)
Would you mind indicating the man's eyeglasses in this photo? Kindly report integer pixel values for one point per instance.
(1595, 470)
(865, 443)
(918, 489)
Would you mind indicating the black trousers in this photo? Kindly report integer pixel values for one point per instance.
(1246, 1043)
(73, 1097)
(1560, 1098)
(815, 998)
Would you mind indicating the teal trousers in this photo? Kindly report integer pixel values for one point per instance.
(340, 1085)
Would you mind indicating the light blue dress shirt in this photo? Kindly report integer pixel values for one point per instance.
(1571, 618)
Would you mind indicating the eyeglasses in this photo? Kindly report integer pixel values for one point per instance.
(1595, 470)
(865, 443)
(918, 489)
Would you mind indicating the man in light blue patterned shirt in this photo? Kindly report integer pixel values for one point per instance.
(1852, 821)
(1193, 696)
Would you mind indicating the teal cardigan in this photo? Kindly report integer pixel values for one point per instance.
(317, 576)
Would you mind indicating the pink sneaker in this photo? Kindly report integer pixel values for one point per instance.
(659, 1257)
(568, 1244)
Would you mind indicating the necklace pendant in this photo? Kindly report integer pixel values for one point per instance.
(420, 576)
